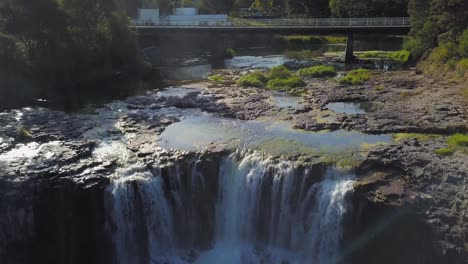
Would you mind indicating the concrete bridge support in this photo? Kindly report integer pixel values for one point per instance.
(217, 49)
(349, 56)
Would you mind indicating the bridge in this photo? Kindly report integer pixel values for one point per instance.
(221, 29)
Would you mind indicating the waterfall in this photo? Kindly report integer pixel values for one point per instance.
(254, 210)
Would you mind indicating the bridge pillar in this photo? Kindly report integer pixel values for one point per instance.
(217, 49)
(349, 56)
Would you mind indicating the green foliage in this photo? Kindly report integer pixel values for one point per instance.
(462, 70)
(463, 46)
(421, 137)
(458, 140)
(70, 41)
(368, 8)
(216, 78)
(255, 79)
(288, 82)
(280, 72)
(229, 53)
(434, 22)
(444, 151)
(401, 56)
(356, 77)
(317, 71)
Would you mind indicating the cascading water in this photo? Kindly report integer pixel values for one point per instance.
(258, 210)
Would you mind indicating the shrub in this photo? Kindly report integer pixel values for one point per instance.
(462, 68)
(443, 53)
(278, 72)
(317, 71)
(356, 77)
(255, 79)
(229, 53)
(290, 82)
(463, 47)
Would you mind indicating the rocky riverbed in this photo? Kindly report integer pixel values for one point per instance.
(54, 165)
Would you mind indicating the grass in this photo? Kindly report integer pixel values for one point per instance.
(444, 151)
(317, 71)
(277, 77)
(280, 72)
(401, 56)
(356, 77)
(216, 78)
(24, 133)
(456, 142)
(255, 79)
(289, 82)
(462, 70)
(421, 137)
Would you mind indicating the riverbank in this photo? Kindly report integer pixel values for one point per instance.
(77, 156)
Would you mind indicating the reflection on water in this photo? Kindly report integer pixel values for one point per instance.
(255, 62)
(194, 72)
(352, 108)
(199, 130)
(283, 100)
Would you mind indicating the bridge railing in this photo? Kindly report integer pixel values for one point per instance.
(306, 22)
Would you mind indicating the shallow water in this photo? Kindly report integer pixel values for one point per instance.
(352, 108)
(283, 100)
(199, 130)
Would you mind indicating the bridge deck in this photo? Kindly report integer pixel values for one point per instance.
(383, 24)
(293, 23)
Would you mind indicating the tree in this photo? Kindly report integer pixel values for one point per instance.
(368, 8)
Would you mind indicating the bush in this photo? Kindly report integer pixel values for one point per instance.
(462, 68)
(356, 77)
(255, 79)
(278, 72)
(463, 47)
(229, 53)
(317, 71)
(443, 53)
(290, 82)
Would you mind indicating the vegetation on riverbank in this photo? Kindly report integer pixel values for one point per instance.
(356, 77)
(63, 43)
(276, 78)
(401, 56)
(420, 137)
(457, 142)
(439, 37)
(317, 71)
